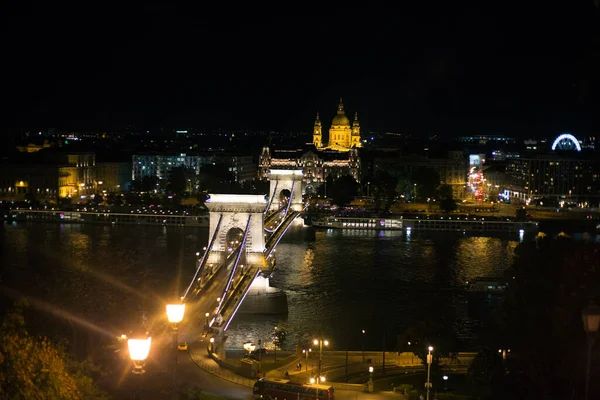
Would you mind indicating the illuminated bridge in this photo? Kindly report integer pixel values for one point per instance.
(244, 231)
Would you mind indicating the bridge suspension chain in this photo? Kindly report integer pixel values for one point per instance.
(272, 197)
(204, 257)
(237, 260)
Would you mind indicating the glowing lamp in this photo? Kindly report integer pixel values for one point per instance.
(249, 347)
(591, 318)
(139, 348)
(175, 313)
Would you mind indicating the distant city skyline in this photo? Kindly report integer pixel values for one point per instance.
(489, 70)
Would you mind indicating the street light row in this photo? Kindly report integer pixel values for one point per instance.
(139, 348)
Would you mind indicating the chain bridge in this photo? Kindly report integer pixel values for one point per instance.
(243, 233)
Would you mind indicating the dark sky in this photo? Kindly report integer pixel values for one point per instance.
(503, 68)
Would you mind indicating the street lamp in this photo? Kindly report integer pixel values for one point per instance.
(175, 316)
(370, 384)
(317, 380)
(320, 343)
(305, 351)
(138, 352)
(207, 315)
(429, 360)
(591, 322)
(363, 344)
(275, 340)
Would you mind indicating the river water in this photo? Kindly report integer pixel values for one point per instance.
(338, 282)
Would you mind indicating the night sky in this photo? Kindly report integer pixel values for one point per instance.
(502, 69)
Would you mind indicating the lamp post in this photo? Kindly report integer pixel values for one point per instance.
(306, 351)
(318, 381)
(591, 322)
(175, 316)
(363, 344)
(138, 352)
(371, 379)
(275, 340)
(207, 315)
(429, 361)
(320, 343)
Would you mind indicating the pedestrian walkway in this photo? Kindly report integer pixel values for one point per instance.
(200, 357)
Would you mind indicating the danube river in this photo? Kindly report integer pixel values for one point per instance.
(338, 282)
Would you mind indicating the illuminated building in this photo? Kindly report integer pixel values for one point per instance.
(342, 135)
(553, 176)
(316, 165)
(452, 169)
(567, 172)
(158, 165)
(113, 176)
(340, 157)
(48, 175)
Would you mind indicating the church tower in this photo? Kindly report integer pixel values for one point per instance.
(340, 132)
(318, 133)
(355, 140)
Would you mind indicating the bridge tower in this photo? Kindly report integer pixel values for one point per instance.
(234, 212)
(283, 180)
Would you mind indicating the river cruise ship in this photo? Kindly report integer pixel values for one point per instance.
(472, 224)
(453, 224)
(106, 218)
(358, 223)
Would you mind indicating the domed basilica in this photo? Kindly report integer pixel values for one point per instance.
(342, 136)
(340, 157)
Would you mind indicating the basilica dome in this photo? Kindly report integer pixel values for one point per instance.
(340, 119)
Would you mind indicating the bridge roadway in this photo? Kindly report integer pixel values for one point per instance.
(213, 282)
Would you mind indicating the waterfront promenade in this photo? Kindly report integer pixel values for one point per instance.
(347, 372)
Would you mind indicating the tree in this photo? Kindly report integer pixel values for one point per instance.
(343, 190)
(419, 337)
(216, 178)
(33, 368)
(279, 337)
(384, 191)
(404, 184)
(427, 181)
(325, 189)
(114, 199)
(486, 372)
(177, 181)
(447, 203)
(97, 200)
(31, 198)
(540, 319)
(146, 184)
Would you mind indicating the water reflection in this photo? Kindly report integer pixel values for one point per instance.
(337, 283)
(383, 283)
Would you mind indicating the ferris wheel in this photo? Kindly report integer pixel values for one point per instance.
(566, 141)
